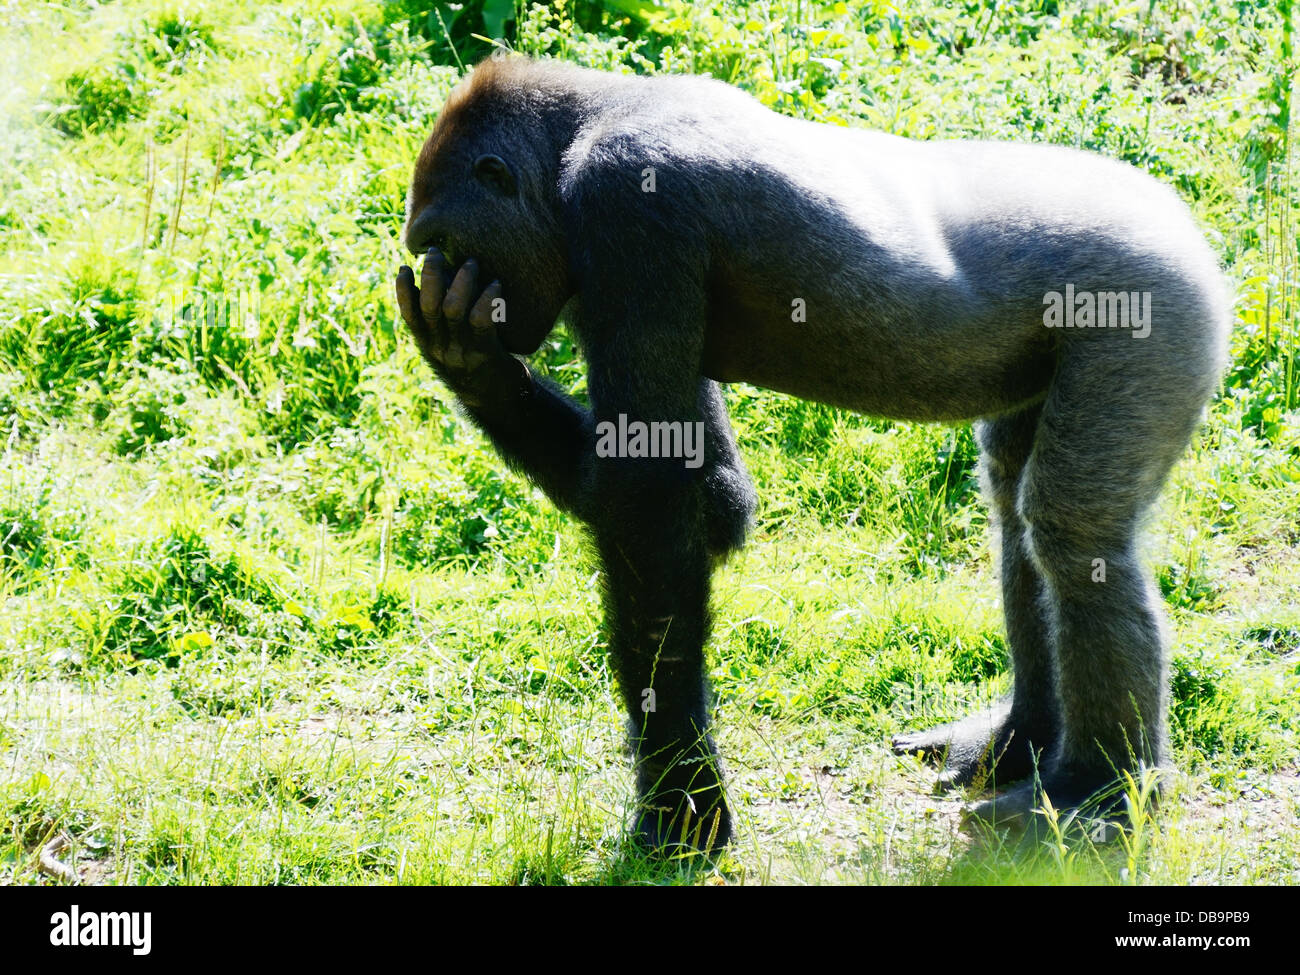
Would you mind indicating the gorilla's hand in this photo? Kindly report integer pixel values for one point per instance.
(458, 340)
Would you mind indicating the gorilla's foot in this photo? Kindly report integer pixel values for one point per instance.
(666, 828)
(1096, 805)
(989, 746)
(682, 807)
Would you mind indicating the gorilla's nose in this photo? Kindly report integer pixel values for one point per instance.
(421, 231)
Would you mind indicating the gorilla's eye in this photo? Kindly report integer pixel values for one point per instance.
(494, 172)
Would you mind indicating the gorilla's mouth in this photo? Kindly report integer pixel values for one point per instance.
(450, 257)
(453, 258)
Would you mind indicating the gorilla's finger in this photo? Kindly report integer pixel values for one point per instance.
(461, 291)
(408, 303)
(480, 316)
(408, 299)
(431, 284)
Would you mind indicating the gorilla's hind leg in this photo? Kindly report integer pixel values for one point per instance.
(1002, 744)
(1097, 464)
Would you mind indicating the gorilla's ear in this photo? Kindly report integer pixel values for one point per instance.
(495, 172)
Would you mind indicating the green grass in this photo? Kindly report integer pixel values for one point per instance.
(272, 613)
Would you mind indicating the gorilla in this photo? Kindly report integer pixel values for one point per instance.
(1064, 302)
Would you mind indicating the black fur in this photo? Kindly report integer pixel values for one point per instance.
(697, 237)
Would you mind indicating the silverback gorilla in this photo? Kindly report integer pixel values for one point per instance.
(1065, 302)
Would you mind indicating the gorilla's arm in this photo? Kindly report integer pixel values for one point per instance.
(537, 429)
